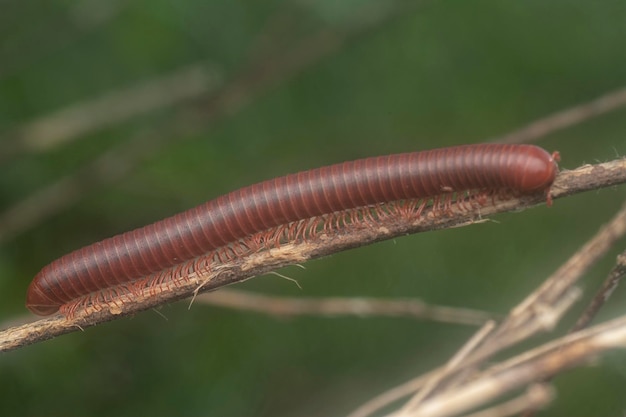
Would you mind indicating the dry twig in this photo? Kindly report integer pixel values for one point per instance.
(77, 120)
(337, 306)
(567, 182)
(541, 363)
(603, 294)
(536, 397)
(566, 118)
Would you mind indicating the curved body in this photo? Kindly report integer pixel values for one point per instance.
(135, 254)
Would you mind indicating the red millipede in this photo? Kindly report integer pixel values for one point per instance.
(90, 275)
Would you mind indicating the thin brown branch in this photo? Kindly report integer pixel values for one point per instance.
(449, 368)
(603, 294)
(341, 306)
(107, 168)
(567, 182)
(392, 395)
(77, 120)
(566, 118)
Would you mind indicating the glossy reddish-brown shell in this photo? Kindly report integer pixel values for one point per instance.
(259, 207)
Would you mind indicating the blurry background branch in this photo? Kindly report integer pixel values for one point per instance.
(286, 307)
(211, 104)
(115, 107)
(564, 119)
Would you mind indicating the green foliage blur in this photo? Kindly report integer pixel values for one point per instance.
(293, 85)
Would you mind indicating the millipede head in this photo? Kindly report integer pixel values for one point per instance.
(540, 170)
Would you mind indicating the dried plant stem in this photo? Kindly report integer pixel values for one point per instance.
(566, 118)
(392, 395)
(536, 397)
(603, 294)
(598, 301)
(339, 306)
(567, 182)
(562, 281)
(546, 361)
(115, 107)
(449, 368)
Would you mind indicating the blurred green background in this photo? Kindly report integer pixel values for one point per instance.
(282, 86)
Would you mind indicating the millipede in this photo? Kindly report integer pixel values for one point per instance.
(286, 209)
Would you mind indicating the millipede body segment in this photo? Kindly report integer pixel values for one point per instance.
(89, 272)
